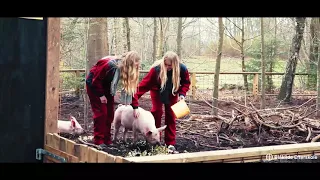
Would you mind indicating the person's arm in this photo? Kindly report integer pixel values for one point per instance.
(144, 86)
(184, 81)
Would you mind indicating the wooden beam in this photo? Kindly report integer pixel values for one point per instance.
(228, 155)
(52, 78)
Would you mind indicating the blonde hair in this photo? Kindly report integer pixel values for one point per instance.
(129, 72)
(175, 60)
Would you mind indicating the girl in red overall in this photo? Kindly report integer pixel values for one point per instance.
(167, 80)
(101, 85)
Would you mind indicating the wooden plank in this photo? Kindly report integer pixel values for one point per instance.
(69, 157)
(48, 139)
(55, 141)
(82, 152)
(92, 155)
(63, 144)
(228, 154)
(52, 79)
(104, 157)
(70, 147)
(119, 159)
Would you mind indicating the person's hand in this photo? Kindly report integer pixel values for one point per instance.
(181, 97)
(136, 113)
(103, 99)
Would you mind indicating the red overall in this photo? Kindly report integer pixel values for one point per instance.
(98, 83)
(151, 82)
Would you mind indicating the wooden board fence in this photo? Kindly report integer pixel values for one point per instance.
(80, 153)
(254, 154)
(76, 153)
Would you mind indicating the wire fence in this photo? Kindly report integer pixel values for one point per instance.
(231, 85)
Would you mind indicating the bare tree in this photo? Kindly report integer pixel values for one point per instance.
(179, 36)
(115, 36)
(263, 68)
(164, 23)
(126, 34)
(155, 28)
(288, 79)
(241, 46)
(314, 49)
(182, 24)
(217, 70)
(318, 88)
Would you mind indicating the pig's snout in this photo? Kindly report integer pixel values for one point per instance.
(83, 132)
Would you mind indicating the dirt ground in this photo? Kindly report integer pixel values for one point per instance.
(195, 135)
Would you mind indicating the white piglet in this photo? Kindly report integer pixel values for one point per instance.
(144, 124)
(72, 126)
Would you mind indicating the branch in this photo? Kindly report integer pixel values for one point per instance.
(190, 22)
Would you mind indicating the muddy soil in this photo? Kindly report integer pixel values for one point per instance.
(196, 135)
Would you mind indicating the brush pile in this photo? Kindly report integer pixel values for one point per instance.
(272, 126)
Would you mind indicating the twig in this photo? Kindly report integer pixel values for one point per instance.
(308, 114)
(315, 138)
(213, 106)
(309, 134)
(210, 146)
(306, 102)
(279, 103)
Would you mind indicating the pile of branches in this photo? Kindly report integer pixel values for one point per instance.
(293, 120)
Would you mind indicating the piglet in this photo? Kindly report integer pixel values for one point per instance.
(144, 124)
(72, 126)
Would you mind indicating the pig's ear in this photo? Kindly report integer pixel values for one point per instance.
(73, 123)
(162, 128)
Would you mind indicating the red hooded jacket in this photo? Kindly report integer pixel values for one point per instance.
(100, 75)
(152, 82)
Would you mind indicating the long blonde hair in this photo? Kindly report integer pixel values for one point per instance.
(174, 59)
(129, 71)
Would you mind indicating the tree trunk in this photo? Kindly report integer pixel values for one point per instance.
(160, 45)
(318, 84)
(124, 36)
(97, 41)
(245, 79)
(128, 33)
(288, 79)
(199, 40)
(144, 49)
(179, 37)
(217, 70)
(115, 35)
(272, 59)
(155, 28)
(313, 55)
(163, 29)
(263, 66)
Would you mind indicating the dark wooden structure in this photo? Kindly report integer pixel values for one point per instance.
(27, 108)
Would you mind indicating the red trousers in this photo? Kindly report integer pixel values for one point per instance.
(170, 120)
(102, 117)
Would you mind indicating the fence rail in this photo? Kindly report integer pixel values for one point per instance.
(198, 77)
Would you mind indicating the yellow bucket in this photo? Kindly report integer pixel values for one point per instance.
(180, 109)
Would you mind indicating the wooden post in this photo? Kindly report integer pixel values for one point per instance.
(255, 85)
(193, 85)
(77, 86)
(52, 79)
